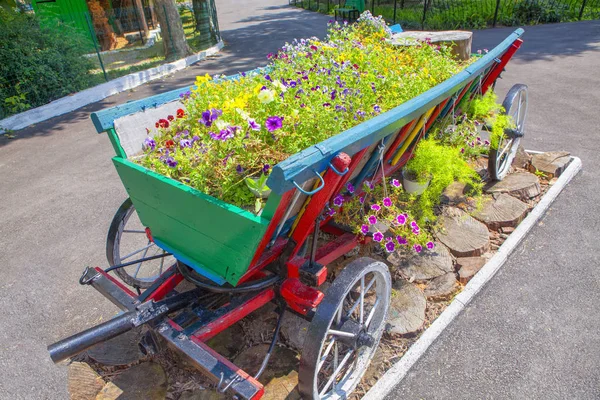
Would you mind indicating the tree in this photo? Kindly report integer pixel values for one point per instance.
(171, 29)
(204, 15)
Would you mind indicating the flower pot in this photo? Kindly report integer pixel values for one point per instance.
(411, 185)
(264, 194)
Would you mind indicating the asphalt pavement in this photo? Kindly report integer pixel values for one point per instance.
(531, 333)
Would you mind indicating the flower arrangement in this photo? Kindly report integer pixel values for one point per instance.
(232, 130)
(465, 134)
(384, 214)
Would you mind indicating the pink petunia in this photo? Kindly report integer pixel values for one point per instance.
(378, 236)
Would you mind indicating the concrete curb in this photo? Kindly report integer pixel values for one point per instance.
(92, 95)
(399, 370)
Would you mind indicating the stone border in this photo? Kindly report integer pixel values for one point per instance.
(399, 370)
(92, 95)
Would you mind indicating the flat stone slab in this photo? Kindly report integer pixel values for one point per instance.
(121, 350)
(552, 163)
(522, 158)
(442, 286)
(146, 381)
(84, 382)
(407, 309)
(294, 329)
(504, 211)
(468, 267)
(424, 265)
(455, 193)
(283, 361)
(522, 185)
(462, 234)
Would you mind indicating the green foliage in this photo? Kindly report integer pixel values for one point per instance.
(483, 107)
(39, 64)
(466, 136)
(444, 165)
(313, 90)
(500, 123)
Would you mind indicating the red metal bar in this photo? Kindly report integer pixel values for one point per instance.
(266, 258)
(404, 132)
(336, 248)
(279, 213)
(499, 67)
(317, 202)
(225, 321)
(166, 287)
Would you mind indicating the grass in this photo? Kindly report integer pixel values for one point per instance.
(471, 14)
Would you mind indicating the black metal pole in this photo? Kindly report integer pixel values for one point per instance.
(93, 35)
(137, 17)
(373, 7)
(424, 14)
(496, 13)
(395, 4)
(582, 9)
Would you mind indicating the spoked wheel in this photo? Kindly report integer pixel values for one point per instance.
(345, 331)
(127, 241)
(500, 159)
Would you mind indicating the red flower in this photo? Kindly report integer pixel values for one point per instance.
(180, 113)
(170, 118)
(156, 125)
(169, 144)
(163, 123)
(355, 66)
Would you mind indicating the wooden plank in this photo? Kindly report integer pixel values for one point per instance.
(299, 167)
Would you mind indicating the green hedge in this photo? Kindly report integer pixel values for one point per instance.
(38, 63)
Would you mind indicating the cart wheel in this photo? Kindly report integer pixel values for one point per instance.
(345, 331)
(500, 159)
(127, 241)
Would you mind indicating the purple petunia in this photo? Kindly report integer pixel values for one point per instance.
(225, 134)
(350, 188)
(266, 168)
(376, 108)
(430, 245)
(390, 246)
(401, 219)
(401, 240)
(416, 231)
(369, 185)
(361, 199)
(170, 161)
(274, 123)
(268, 77)
(378, 236)
(387, 202)
(372, 219)
(375, 207)
(395, 183)
(418, 248)
(149, 143)
(364, 229)
(185, 143)
(239, 169)
(253, 125)
(338, 200)
(210, 116)
(331, 212)
(414, 225)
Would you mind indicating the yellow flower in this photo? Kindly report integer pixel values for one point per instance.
(202, 79)
(257, 89)
(266, 96)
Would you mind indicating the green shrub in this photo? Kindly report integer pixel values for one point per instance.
(444, 165)
(39, 64)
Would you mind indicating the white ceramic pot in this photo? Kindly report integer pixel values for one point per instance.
(410, 184)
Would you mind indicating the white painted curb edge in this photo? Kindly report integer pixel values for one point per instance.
(399, 370)
(92, 95)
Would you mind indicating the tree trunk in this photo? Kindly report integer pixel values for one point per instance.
(205, 26)
(171, 29)
(141, 18)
